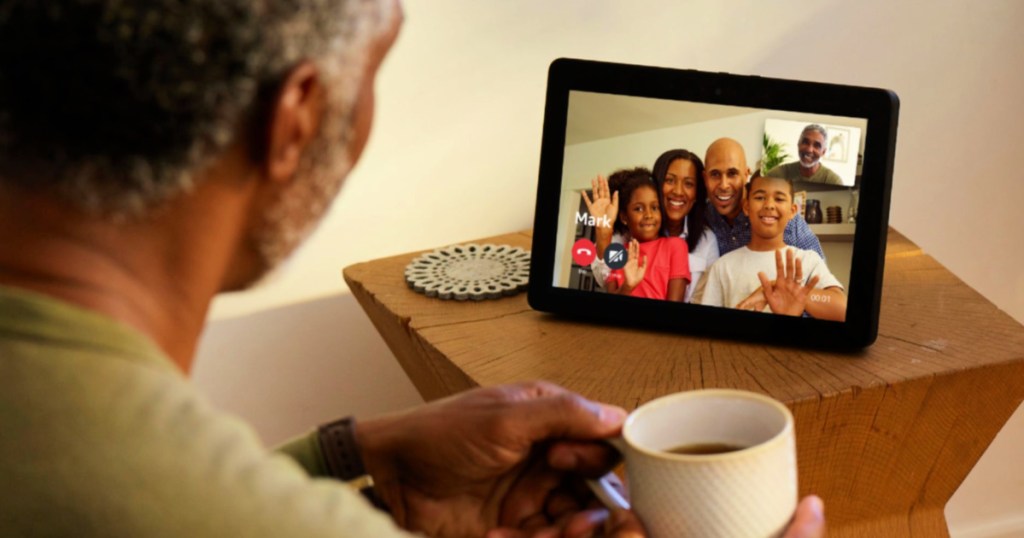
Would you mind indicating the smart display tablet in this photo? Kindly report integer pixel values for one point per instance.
(683, 200)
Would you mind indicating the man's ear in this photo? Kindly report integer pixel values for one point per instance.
(294, 121)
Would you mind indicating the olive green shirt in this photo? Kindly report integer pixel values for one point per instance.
(791, 171)
(102, 435)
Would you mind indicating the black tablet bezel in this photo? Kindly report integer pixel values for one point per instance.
(880, 107)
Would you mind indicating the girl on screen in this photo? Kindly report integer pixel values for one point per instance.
(655, 267)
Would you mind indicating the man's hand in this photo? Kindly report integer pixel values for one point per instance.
(786, 295)
(508, 456)
(808, 522)
(587, 524)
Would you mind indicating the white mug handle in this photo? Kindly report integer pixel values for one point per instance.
(603, 489)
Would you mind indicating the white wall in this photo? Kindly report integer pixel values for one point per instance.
(290, 368)
(454, 157)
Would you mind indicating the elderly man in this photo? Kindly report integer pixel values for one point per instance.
(813, 144)
(154, 154)
(725, 174)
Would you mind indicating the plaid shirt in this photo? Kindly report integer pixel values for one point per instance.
(730, 238)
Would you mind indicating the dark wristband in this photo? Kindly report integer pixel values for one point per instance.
(343, 459)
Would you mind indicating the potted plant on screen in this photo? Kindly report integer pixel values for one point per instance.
(772, 154)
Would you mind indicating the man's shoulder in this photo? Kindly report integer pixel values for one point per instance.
(829, 176)
(799, 234)
(784, 170)
(147, 446)
(112, 422)
(797, 225)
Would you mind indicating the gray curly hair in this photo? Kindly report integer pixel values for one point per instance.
(116, 105)
(818, 129)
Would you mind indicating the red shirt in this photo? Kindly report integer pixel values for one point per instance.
(667, 258)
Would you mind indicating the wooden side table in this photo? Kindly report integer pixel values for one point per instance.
(884, 435)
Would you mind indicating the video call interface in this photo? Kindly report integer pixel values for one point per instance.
(715, 205)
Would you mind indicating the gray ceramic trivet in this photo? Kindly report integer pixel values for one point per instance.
(470, 271)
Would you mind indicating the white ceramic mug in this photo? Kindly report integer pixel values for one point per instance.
(749, 492)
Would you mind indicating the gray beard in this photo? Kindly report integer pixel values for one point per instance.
(302, 205)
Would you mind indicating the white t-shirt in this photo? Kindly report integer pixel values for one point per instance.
(734, 276)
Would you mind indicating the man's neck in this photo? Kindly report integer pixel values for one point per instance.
(143, 273)
(809, 171)
(731, 218)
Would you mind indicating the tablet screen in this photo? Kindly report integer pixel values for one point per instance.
(732, 205)
(714, 203)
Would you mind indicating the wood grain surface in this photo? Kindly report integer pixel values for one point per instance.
(885, 435)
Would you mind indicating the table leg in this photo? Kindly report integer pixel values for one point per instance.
(886, 459)
(433, 375)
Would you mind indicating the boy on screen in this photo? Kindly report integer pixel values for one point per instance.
(802, 283)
